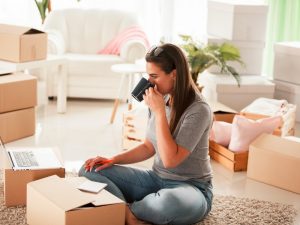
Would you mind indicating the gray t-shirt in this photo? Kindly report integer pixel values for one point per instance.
(192, 133)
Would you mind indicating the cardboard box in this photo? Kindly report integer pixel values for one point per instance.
(22, 44)
(18, 91)
(63, 204)
(17, 124)
(237, 20)
(286, 62)
(289, 92)
(15, 181)
(235, 161)
(275, 161)
(251, 54)
(224, 89)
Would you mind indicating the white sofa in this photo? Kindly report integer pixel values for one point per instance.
(77, 35)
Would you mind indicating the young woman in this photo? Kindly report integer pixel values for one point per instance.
(178, 189)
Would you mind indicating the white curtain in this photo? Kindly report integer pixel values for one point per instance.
(19, 12)
(161, 19)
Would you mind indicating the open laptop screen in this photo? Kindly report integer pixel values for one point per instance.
(31, 157)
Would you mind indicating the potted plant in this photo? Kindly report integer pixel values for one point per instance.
(201, 57)
(42, 6)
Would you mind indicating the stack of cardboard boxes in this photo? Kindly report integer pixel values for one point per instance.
(242, 24)
(17, 105)
(17, 102)
(45, 191)
(19, 90)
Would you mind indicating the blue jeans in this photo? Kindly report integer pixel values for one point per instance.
(153, 199)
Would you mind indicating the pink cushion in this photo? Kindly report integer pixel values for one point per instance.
(244, 130)
(130, 33)
(221, 133)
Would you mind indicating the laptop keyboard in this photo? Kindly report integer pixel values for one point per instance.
(25, 159)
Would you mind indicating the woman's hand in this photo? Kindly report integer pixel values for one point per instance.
(154, 100)
(103, 162)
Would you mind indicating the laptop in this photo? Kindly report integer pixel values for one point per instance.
(28, 158)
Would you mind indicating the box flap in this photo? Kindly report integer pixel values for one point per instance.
(277, 144)
(16, 77)
(101, 198)
(218, 107)
(33, 31)
(12, 29)
(106, 198)
(61, 193)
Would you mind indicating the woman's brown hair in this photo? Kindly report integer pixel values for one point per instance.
(169, 57)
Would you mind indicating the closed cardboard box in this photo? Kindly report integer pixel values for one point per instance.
(22, 44)
(276, 161)
(17, 91)
(251, 54)
(17, 124)
(286, 62)
(15, 181)
(224, 89)
(63, 204)
(237, 20)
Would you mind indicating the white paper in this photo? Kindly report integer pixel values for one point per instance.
(91, 186)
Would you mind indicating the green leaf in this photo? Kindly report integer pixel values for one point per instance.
(201, 57)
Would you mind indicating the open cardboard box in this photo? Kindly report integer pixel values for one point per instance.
(235, 161)
(15, 181)
(63, 204)
(276, 161)
(222, 112)
(22, 44)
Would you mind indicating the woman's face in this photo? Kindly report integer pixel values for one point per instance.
(164, 82)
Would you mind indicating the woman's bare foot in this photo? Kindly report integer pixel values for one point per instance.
(132, 220)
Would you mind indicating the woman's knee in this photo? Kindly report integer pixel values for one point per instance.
(170, 206)
(81, 172)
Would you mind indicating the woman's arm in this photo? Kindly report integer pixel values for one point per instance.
(170, 152)
(137, 154)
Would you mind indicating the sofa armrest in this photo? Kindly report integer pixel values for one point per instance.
(133, 50)
(56, 42)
